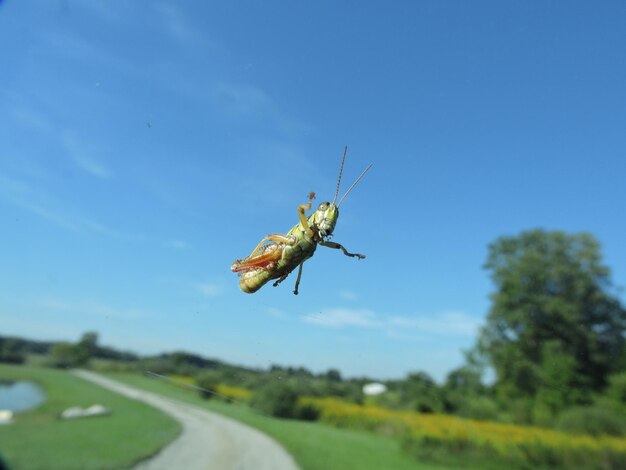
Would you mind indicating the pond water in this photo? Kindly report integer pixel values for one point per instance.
(20, 396)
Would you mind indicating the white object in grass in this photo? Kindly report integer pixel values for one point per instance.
(374, 388)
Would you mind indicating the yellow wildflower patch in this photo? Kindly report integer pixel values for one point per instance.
(182, 380)
(458, 434)
(226, 391)
(234, 393)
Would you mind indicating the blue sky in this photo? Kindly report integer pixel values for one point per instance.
(144, 146)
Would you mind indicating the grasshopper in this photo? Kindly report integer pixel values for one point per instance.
(277, 255)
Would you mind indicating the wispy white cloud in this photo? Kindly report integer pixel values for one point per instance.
(114, 12)
(49, 215)
(446, 324)
(67, 44)
(108, 231)
(21, 194)
(42, 204)
(234, 99)
(91, 308)
(181, 28)
(340, 317)
(32, 120)
(277, 313)
(245, 101)
(242, 100)
(348, 295)
(209, 289)
(177, 244)
(84, 155)
(176, 24)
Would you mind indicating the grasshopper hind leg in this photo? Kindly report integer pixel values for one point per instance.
(295, 291)
(281, 279)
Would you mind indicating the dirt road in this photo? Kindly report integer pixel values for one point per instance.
(208, 440)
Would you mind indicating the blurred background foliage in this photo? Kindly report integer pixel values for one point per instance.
(551, 354)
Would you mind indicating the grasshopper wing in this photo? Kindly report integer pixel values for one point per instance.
(269, 255)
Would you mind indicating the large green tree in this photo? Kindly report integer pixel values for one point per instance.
(75, 354)
(555, 330)
(420, 391)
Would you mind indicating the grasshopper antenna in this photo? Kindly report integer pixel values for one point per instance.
(354, 184)
(340, 172)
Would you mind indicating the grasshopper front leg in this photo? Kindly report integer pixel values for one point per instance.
(302, 215)
(337, 246)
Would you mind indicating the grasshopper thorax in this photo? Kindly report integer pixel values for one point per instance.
(325, 218)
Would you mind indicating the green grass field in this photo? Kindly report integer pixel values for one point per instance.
(39, 440)
(314, 446)
(134, 431)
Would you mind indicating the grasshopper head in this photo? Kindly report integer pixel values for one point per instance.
(325, 218)
(326, 215)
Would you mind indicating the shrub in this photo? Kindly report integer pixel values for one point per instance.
(12, 357)
(110, 365)
(276, 399)
(307, 411)
(592, 420)
(64, 355)
(480, 408)
(11, 351)
(616, 391)
(207, 383)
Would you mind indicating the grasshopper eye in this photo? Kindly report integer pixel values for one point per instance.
(323, 206)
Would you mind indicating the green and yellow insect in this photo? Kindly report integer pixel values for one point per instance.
(277, 255)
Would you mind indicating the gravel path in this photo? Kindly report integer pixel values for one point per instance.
(208, 440)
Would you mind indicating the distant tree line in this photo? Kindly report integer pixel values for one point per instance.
(61, 353)
(14, 350)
